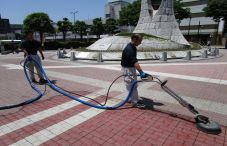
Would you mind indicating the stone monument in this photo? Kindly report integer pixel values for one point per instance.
(160, 30)
(162, 23)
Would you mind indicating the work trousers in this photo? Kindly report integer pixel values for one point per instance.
(130, 76)
(31, 65)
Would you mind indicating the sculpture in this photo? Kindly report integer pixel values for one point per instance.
(161, 23)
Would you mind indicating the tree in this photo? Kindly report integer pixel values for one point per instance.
(97, 28)
(180, 12)
(111, 26)
(130, 15)
(38, 22)
(81, 28)
(64, 26)
(216, 9)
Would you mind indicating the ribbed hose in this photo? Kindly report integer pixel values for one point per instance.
(55, 88)
(39, 96)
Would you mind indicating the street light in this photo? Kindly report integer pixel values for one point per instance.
(189, 26)
(74, 19)
(88, 30)
(198, 31)
(74, 16)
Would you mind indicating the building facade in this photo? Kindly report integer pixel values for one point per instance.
(202, 28)
(198, 27)
(4, 26)
(5, 30)
(113, 8)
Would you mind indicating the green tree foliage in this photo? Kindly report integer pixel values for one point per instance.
(81, 28)
(180, 12)
(38, 22)
(216, 9)
(130, 14)
(64, 26)
(111, 26)
(97, 28)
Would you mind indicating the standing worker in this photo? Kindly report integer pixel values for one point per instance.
(31, 47)
(129, 65)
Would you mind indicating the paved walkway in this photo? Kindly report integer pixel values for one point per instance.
(58, 120)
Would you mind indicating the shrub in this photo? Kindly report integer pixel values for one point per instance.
(54, 45)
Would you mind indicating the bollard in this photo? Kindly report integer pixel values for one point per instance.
(205, 55)
(99, 58)
(59, 54)
(216, 51)
(164, 56)
(213, 52)
(2, 49)
(188, 56)
(72, 56)
(64, 52)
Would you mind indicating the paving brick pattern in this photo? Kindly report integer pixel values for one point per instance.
(126, 126)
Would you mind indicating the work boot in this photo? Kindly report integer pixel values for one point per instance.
(139, 105)
(42, 81)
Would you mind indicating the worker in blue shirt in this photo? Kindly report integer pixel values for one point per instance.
(129, 63)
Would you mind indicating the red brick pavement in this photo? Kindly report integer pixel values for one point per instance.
(207, 71)
(91, 72)
(196, 89)
(17, 61)
(117, 127)
(136, 127)
(15, 88)
(45, 123)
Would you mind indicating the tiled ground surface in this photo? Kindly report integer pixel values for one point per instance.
(57, 120)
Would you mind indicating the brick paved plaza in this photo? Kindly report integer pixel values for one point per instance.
(58, 120)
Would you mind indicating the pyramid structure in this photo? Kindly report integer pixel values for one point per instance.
(146, 15)
(161, 23)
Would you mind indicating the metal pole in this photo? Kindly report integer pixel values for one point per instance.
(74, 16)
(74, 20)
(217, 33)
(189, 27)
(198, 31)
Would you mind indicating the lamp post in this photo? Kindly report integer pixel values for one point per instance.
(189, 27)
(74, 20)
(217, 32)
(74, 16)
(129, 27)
(88, 30)
(198, 32)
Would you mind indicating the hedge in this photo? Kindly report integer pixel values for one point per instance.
(54, 45)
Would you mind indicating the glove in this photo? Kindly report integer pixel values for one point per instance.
(43, 57)
(143, 75)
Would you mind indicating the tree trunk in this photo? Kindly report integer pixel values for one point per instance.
(41, 37)
(64, 36)
(81, 36)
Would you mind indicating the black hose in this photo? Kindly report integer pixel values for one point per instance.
(107, 94)
(28, 101)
